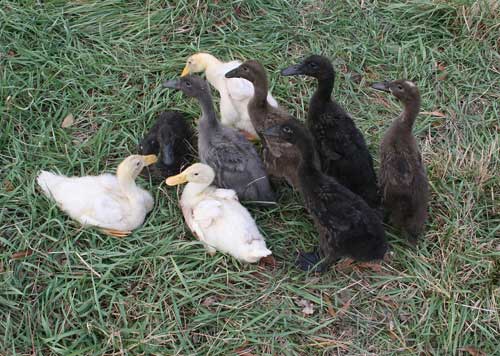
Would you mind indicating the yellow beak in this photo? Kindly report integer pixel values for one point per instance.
(185, 71)
(150, 159)
(176, 180)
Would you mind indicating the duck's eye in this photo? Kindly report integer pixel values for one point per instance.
(188, 84)
(196, 174)
(287, 130)
(245, 69)
(313, 65)
(400, 87)
(138, 164)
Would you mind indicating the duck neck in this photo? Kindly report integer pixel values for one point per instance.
(260, 85)
(409, 114)
(193, 190)
(325, 87)
(212, 64)
(208, 118)
(127, 185)
(308, 156)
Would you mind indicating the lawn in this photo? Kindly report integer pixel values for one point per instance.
(70, 291)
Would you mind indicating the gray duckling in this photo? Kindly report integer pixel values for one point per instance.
(234, 159)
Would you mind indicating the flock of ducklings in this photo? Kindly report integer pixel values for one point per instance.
(327, 161)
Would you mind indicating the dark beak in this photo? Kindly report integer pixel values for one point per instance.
(383, 86)
(233, 73)
(274, 131)
(167, 154)
(292, 70)
(172, 84)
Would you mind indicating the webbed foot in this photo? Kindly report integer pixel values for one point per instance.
(250, 137)
(311, 262)
(116, 233)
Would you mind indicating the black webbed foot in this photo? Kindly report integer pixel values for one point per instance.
(311, 262)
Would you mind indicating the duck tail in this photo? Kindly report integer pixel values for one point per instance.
(46, 181)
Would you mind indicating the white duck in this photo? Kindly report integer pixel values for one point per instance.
(112, 202)
(216, 217)
(235, 93)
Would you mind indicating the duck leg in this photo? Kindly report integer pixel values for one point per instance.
(116, 233)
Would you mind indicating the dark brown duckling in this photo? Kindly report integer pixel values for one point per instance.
(279, 156)
(170, 139)
(403, 180)
(347, 226)
(340, 145)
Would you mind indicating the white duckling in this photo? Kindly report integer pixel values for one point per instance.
(235, 93)
(112, 202)
(216, 217)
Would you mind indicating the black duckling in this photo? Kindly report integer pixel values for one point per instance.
(278, 155)
(340, 145)
(403, 180)
(170, 139)
(347, 226)
(234, 159)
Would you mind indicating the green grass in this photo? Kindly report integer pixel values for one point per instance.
(157, 291)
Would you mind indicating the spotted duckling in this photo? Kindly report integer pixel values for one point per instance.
(403, 180)
(170, 139)
(347, 226)
(341, 146)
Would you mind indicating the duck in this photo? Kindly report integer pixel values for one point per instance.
(234, 93)
(347, 225)
(113, 203)
(170, 139)
(341, 147)
(403, 178)
(234, 159)
(278, 156)
(216, 217)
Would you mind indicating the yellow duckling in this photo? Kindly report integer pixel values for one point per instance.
(235, 93)
(112, 202)
(216, 217)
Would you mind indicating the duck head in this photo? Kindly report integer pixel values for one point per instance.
(148, 145)
(191, 85)
(290, 131)
(132, 166)
(197, 173)
(313, 66)
(249, 70)
(166, 144)
(197, 63)
(404, 90)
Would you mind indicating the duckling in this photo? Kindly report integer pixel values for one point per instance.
(340, 145)
(234, 159)
(403, 180)
(279, 156)
(170, 139)
(234, 93)
(347, 226)
(216, 217)
(112, 202)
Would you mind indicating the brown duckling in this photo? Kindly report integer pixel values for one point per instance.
(403, 180)
(341, 146)
(279, 156)
(347, 226)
